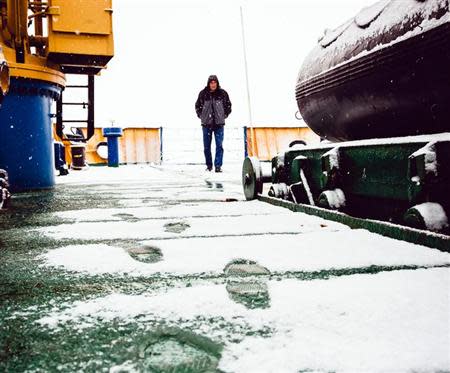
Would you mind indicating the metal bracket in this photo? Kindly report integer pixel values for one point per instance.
(331, 166)
(304, 185)
(422, 169)
(53, 11)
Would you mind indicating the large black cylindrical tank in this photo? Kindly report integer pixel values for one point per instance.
(384, 73)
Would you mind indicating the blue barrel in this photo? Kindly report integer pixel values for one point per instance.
(26, 140)
(113, 134)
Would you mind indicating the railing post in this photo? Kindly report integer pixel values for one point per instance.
(161, 154)
(245, 143)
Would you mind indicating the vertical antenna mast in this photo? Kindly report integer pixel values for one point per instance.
(246, 69)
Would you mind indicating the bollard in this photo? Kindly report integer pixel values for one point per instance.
(113, 134)
(78, 151)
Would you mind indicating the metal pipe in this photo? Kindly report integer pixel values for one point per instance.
(17, 19)
(4, 37)
(17, 25)
(244, 46)
(91, 107)
(161, 145)
(59, 116)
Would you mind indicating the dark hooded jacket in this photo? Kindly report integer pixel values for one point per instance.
(213, 107)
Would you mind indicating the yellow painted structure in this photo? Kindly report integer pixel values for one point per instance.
(78, 39)
(266, 142)
(37, 68)
(80, 34)
(140, 145)
(137, 145)
(41, 41)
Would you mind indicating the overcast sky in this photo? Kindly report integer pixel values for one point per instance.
(165, 50)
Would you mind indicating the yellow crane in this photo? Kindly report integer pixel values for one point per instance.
(40, 42)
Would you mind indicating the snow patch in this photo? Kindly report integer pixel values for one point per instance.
(335, 198)
(350, 36)
(445, 136)
(367, 15)
(385, 322)
(306, 185)
(185, 210)
(430, 159)
(334, 157)
(292, 223)
(322, 250)
(433, 215)
(279, 160)
(331, 35)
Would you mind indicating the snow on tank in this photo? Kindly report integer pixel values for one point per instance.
(383, 73)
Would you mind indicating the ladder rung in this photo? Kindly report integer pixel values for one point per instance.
(76, 103)
(77, 86)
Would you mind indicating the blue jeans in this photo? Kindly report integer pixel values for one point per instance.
(207, 140)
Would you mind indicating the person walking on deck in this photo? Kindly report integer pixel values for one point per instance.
(213, 106)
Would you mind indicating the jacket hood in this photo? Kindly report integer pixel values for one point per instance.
(211, 78)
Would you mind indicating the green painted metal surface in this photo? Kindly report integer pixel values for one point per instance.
(380, 180)
(29, 291)
(420, 237)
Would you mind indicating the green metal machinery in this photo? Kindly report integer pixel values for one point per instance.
(403, 180)
(376, 91)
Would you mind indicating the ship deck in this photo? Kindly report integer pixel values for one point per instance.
(167, 268)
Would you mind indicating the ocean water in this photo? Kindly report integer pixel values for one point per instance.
(184, 145)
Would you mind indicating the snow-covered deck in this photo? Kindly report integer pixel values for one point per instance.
(317, 296)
